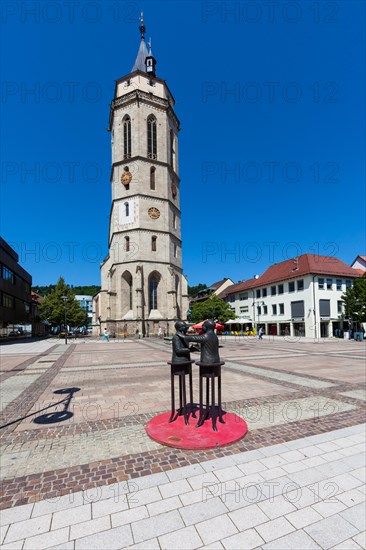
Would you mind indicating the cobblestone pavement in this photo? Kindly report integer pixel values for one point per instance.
(95, 480)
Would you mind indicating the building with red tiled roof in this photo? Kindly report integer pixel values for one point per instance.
(216, 288)
(301, 296)
(359, 264)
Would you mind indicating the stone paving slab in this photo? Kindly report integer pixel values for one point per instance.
(102, 475)
(130, 517)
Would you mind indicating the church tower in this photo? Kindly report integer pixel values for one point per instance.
(143, 286)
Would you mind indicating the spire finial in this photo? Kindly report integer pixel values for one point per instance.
(142, 26)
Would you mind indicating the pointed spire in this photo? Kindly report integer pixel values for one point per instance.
(145, 60)
(142, 26)
(150, 47)
(142, 54)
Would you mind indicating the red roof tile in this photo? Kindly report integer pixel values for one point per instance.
(296, 267)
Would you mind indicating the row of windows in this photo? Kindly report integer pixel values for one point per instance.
(275, 290)
(10, 276)
(328, 284)
(277, 309)
(153, 245)
(152, 140)
(9, 302)
(7, 274)
(292, 286)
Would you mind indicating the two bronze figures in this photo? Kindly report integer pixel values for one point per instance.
(209, 368)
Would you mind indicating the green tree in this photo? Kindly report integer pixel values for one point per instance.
(194, 290)
(355, 301)
(212, 308)
(52, 307)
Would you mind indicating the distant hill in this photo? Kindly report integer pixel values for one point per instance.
(87, 290)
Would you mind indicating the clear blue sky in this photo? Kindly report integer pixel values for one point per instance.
(271, 104)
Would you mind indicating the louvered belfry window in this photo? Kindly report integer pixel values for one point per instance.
(151, 137)
(126, 137)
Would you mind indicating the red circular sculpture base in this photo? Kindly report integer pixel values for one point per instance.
(178, 435)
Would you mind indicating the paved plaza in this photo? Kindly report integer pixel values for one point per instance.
(79, 472)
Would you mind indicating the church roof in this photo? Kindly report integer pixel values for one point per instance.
(141, 56)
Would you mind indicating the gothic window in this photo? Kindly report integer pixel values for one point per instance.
(152, 177)
(151, 137)
(171, 152)
(153, 292)
(127, 244)
(174, 221)
(127, 291)
(153, 243)
(127, 209)
(126, 137)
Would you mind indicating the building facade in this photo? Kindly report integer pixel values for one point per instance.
(142, 282)
(298, 297)
(86, 303)
(15, 294)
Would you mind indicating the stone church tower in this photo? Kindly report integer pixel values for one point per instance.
(143, 286)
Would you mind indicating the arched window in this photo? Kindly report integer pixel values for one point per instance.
(153, 292)
(127, 291)
(153, 243)
(171, 152)
(127, 244)
(127, 209)
(151, 137)
(152, 177)
(126, 137)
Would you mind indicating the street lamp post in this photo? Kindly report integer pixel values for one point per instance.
(65, 302)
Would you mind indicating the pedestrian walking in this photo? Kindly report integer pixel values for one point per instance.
(260, 333)
(160, 332)
(105, 335)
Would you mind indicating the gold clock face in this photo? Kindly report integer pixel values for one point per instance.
(153, 213)
(126, 178)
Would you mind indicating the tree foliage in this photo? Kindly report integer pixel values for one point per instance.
(194, 290)
(88, 290)
(212, 308)
(355, 301)
(52, 307)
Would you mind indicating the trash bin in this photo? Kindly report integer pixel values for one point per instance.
(358, 336)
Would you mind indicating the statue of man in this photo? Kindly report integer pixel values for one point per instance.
(209, 342)
(181, 352)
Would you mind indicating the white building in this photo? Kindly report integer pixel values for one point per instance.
(298, 297)
(86, 303)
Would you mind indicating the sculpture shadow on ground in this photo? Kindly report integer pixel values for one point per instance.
(59, 416)
(52, 417)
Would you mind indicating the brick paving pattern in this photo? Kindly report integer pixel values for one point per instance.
(293, 395)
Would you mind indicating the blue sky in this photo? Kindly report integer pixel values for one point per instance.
(271, 102)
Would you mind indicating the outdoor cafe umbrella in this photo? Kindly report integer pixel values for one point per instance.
(199, 325)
